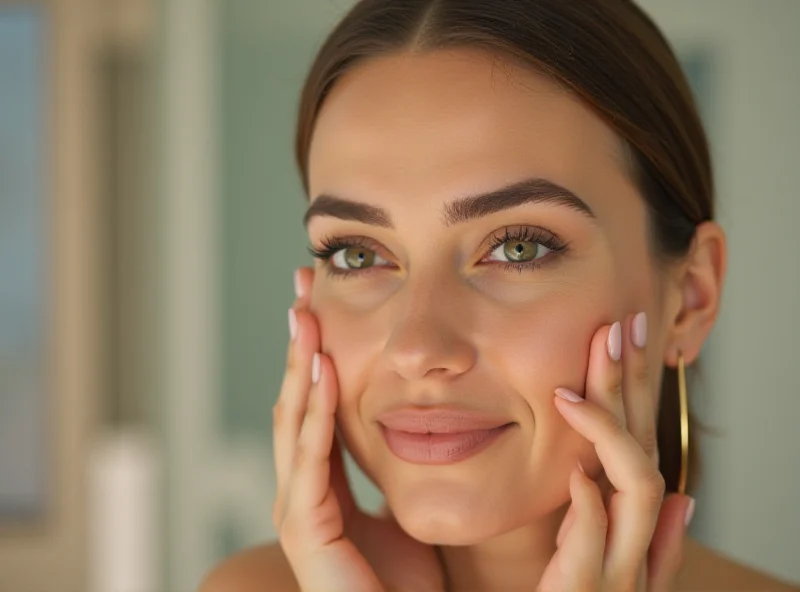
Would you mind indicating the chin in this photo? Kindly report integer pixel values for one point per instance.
(437, 528)
(442, 516)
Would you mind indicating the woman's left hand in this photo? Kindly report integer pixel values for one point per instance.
(620, 535)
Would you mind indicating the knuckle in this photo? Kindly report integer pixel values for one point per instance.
(653, 488)
(615, 425)
(615, 384)
(649, 444)
(327, 522)
(641, 370)
(300, 456)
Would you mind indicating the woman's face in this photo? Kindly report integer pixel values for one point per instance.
(468, 305)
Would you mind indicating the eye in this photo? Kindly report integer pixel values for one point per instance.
(349, 256)
(523, 248)
(518, 251)
(356, 258)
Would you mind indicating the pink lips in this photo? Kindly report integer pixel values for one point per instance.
(437, 435)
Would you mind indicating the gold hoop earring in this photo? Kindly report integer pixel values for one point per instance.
(684, 403)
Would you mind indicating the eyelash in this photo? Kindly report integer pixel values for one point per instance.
(534, 234)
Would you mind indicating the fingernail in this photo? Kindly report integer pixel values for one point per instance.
(689, 512)
(615, 342)
(292, 324)
(639, 330)
(298, 287)
(580, 466)
(568, 395)
(315, 369)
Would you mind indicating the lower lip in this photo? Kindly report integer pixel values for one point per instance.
(440, 449)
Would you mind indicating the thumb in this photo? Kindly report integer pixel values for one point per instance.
(665, 556)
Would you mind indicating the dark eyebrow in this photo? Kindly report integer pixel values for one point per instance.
(461, 210)
(344, 209)
(534, 190)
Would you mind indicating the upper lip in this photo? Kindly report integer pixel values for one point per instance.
(438, 420)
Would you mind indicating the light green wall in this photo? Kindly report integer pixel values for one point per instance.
(261, 203)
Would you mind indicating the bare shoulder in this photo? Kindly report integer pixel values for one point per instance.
(258, 569)
(707, 570)
(265, 568)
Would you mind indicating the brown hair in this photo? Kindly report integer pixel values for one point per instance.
(609, 53)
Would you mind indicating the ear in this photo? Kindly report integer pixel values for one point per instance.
(695, 303)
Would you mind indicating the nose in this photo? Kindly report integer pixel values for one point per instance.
(430, 337)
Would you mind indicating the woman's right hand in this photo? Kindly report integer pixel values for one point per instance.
(329, 542)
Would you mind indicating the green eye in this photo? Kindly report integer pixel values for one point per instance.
(358, 258)
(355, 258)
(520, 251)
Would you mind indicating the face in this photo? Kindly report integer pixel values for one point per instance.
(446, 309)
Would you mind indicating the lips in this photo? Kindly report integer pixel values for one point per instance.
(439, 436)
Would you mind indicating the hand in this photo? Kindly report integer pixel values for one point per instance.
(620, 534)
(329, 542)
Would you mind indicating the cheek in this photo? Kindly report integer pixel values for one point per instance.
(352, 341)
(531, 354)
(545, 346)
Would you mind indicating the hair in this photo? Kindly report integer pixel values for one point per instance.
(607, 52)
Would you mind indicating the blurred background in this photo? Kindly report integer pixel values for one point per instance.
(150, 221)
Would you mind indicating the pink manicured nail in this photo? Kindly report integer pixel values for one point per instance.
(615, 342)
(689, 512)
(568, 395)
(639, 330)
(298, 287)
(315, 369)
(292, 324)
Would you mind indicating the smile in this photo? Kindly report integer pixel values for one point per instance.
(437, 436)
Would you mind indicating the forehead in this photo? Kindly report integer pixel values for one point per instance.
(418, 127)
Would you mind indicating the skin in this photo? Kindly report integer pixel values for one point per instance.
(435, 322)
(439, 329)
(433, 326)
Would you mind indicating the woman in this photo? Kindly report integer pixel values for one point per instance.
(511, 207)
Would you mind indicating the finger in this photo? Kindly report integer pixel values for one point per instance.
(623, 459)
(566, 524)
(604, 375)
(290, 408)
(604, 381)
(633, 508)
(580, 558)
(311, 471)
(303, 280)
(665, 555)
(638, 398)
(340, 481)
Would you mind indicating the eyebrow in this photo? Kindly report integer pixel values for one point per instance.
(460, 210)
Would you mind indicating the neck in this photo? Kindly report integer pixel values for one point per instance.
(514, 560)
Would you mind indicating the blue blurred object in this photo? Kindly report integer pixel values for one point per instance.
(22, 241)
